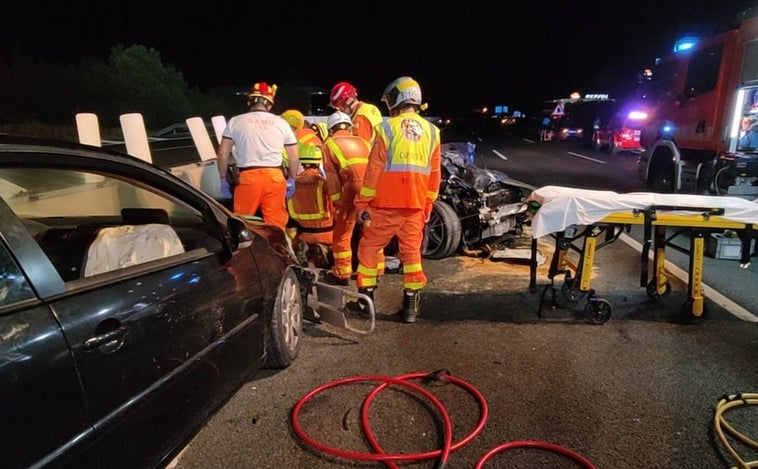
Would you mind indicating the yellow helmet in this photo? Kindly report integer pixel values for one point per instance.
(320, 129)
(294, 118)
(309, 154)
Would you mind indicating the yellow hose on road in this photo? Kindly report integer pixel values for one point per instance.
(721, 425)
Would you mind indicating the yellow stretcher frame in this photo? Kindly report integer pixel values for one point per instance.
(656, 219)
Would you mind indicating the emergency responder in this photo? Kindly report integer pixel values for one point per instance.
(259, 137)
(321, 129)
(310, 208)
(401, 184)
(344, 159)
(305, 134)
(365, 116)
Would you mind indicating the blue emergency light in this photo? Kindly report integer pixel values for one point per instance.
(685, 43)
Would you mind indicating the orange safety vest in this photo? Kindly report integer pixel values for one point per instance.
(345, 157)
(310, 206)
(404, 165)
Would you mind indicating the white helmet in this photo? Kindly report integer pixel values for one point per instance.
(338, 118)
(403, 90)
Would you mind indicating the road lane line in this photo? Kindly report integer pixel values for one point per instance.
(713, 295)
(500, 155)
(579, 155)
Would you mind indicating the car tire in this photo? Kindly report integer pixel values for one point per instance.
(286, 325)
(662, 181)
(442, 234)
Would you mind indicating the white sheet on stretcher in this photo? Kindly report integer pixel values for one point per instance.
(561, 207)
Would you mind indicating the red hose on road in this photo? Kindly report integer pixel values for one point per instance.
(483, 413)
(385, 381)
(448, 445)
(534, 444)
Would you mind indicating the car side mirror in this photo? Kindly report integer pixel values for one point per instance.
(239, 234)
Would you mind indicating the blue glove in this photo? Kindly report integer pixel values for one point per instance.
(290, 188)
(226, 191)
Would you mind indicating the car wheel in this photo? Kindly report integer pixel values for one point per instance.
(596, 143)
(286, 325)
(662, 181)
(442, 234)
(611, 148)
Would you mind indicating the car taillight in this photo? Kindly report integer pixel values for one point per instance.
(627, 134)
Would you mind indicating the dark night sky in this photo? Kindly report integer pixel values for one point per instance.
(480, 52)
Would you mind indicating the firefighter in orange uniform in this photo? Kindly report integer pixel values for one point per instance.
(305, 134)
(344, 158)
(310, 208)
(365, 116)
(401, 184)
(259, 137)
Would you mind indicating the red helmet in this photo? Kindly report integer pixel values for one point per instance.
(263, 90)
(341, 93)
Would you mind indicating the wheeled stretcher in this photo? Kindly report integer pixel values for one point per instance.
(585, 220)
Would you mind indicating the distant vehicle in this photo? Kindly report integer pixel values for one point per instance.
(132, 306)
(621, 132)
(566, 128)
(699, 97)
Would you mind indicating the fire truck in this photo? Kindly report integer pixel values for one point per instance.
(702, 111)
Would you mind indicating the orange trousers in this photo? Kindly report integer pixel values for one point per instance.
(408, 225)
(263, 189)
(342, 250)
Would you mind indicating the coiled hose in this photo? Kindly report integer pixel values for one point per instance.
(448, 446)
(722, 427)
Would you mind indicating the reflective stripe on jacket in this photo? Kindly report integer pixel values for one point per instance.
(365, 119)
(345, 158)
(309, 206)
(404, 166)
(305, 136)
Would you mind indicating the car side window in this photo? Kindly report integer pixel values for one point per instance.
(13, 284)
(88, 224)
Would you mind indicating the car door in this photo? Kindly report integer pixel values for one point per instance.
(42, 407)
(160, 344)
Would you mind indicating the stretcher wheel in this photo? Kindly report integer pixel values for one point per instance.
(652, 290)
(598, 311)
(688, 315)
(570, 290)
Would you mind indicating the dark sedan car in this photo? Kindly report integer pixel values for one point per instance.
(132, 306)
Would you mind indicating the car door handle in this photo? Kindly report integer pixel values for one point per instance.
(107, 338)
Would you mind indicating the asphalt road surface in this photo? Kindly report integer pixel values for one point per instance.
(636, 392)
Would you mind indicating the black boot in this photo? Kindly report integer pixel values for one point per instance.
(360, 306)
(411, 299)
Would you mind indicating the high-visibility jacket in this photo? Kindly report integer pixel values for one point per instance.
(305, 136)
(344, 158)
(310, 206)
(365, 118)
(404, 165)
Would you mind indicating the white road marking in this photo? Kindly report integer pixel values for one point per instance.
(500, 155)
(712, 294)
(529, 140)
(579, 155)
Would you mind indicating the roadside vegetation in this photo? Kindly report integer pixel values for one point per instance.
(41, 98)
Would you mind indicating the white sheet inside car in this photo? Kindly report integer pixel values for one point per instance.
(123, 246)
(561, 207)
